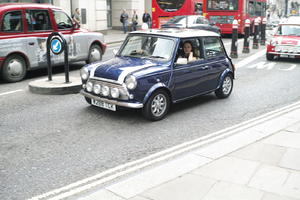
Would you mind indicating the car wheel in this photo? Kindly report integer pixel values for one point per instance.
(269, 57)
(226, 87)
(14, 68)
(95, 54)
(157, 106)
(88, 100)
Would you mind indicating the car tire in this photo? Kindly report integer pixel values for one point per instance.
(88, 100)
(95, 54)
(269, 57)
(157, 106)
(226, 87)
(14, 69)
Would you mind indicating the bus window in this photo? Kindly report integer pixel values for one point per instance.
(198, 8)
(251, 8)
(258, 9)
(222, 4)
(171, 5)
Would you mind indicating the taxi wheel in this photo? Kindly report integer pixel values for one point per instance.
(157, 106)
(95, 54)
(270, 57)
(14, 68)
(226, 87)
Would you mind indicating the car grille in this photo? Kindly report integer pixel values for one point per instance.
(287, 49)
(122, 89)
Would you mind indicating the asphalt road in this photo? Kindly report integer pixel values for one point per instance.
(50, 141)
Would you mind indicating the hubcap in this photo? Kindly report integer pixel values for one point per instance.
(158, 105)
(15, 68)
(227, 84)
(95, 55)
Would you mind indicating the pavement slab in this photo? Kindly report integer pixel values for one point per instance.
(295, 128)
(269, 196)
(102, 194)
(291, 159)
(229, 191)
(191, 187)
(229, 169)
(284, 139)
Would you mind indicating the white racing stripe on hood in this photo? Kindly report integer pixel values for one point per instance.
(129, 70)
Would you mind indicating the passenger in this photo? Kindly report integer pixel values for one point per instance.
(188, 51)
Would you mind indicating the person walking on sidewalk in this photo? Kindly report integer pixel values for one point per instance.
(76, 16)
(134, 20)
(147, 19)
(124, 20)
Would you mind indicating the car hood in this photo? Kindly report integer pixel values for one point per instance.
(119, 67)
(288, 40)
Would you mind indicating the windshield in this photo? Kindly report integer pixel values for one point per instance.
(289, 30)
(222, 4)
(151, 47)
(170, 5)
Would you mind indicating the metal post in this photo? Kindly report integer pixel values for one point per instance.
(255, 39)
(234, 43)
(263, 32)
(246, 38)
(66, 52)
(49, 68)
(259, 30)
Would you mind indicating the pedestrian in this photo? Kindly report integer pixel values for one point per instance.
(124, 20)
(76, 16)
(134, 20)
(147, 19)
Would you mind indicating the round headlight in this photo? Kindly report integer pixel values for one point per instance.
(89, 86)
(97, 89)
(114, 92)
(105, 90)
(84, 73)
(130, 82)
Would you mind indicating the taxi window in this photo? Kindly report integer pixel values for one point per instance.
(63, 21)
(38, 20)
(212, 47)
(12, 22)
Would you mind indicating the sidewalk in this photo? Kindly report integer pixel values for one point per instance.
(256, 160)
(114, 36)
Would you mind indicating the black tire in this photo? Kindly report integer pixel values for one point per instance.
(269, 57)
(150, 110)
(226, 87)
(14, 69)
(95, 54)
(88, 100)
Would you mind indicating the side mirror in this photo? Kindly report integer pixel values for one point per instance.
(182, 61)
(115, 51)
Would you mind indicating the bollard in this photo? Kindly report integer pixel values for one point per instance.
(234, 42)
(246, 37)
(263, 31)
(259, 30)
(255, 38)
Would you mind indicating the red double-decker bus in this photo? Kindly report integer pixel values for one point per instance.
(163, 10)
(223, 12)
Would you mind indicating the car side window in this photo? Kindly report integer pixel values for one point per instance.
(12, 22)
(63, 21)
(38, 20)
(212, 47)
(199, 20)
(190, 49)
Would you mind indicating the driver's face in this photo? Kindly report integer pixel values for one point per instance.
(187, 48)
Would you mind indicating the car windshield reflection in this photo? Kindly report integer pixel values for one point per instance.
(148, 47)
(289, 30)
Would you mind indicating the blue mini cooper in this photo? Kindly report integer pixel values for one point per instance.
(154, 69)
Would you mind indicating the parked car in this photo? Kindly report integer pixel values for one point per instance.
(24, 29)
(148, 72)
(192, 21)
(285, 42)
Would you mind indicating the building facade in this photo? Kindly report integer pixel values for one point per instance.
(98, 15)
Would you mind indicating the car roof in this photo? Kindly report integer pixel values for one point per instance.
(293, 20)
(8, 6)
(178, 33)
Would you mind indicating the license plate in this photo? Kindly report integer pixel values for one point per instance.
(103, 104)
(287, 56)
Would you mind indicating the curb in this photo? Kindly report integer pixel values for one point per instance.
(57, 86)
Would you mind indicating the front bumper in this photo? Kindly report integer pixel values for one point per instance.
(115, 102)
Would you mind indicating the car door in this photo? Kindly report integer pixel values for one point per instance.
(216, 62)
(77, 41)
(189, 79)
(38, 28)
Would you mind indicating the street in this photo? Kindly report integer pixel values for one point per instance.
(48, 141)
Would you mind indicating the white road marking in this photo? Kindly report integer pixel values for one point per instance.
(10, 92)
(289, 69)
(248, 60)
(263, 65)
(103, 177)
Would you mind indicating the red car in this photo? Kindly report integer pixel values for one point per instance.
(285, 43)
(24, 29)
